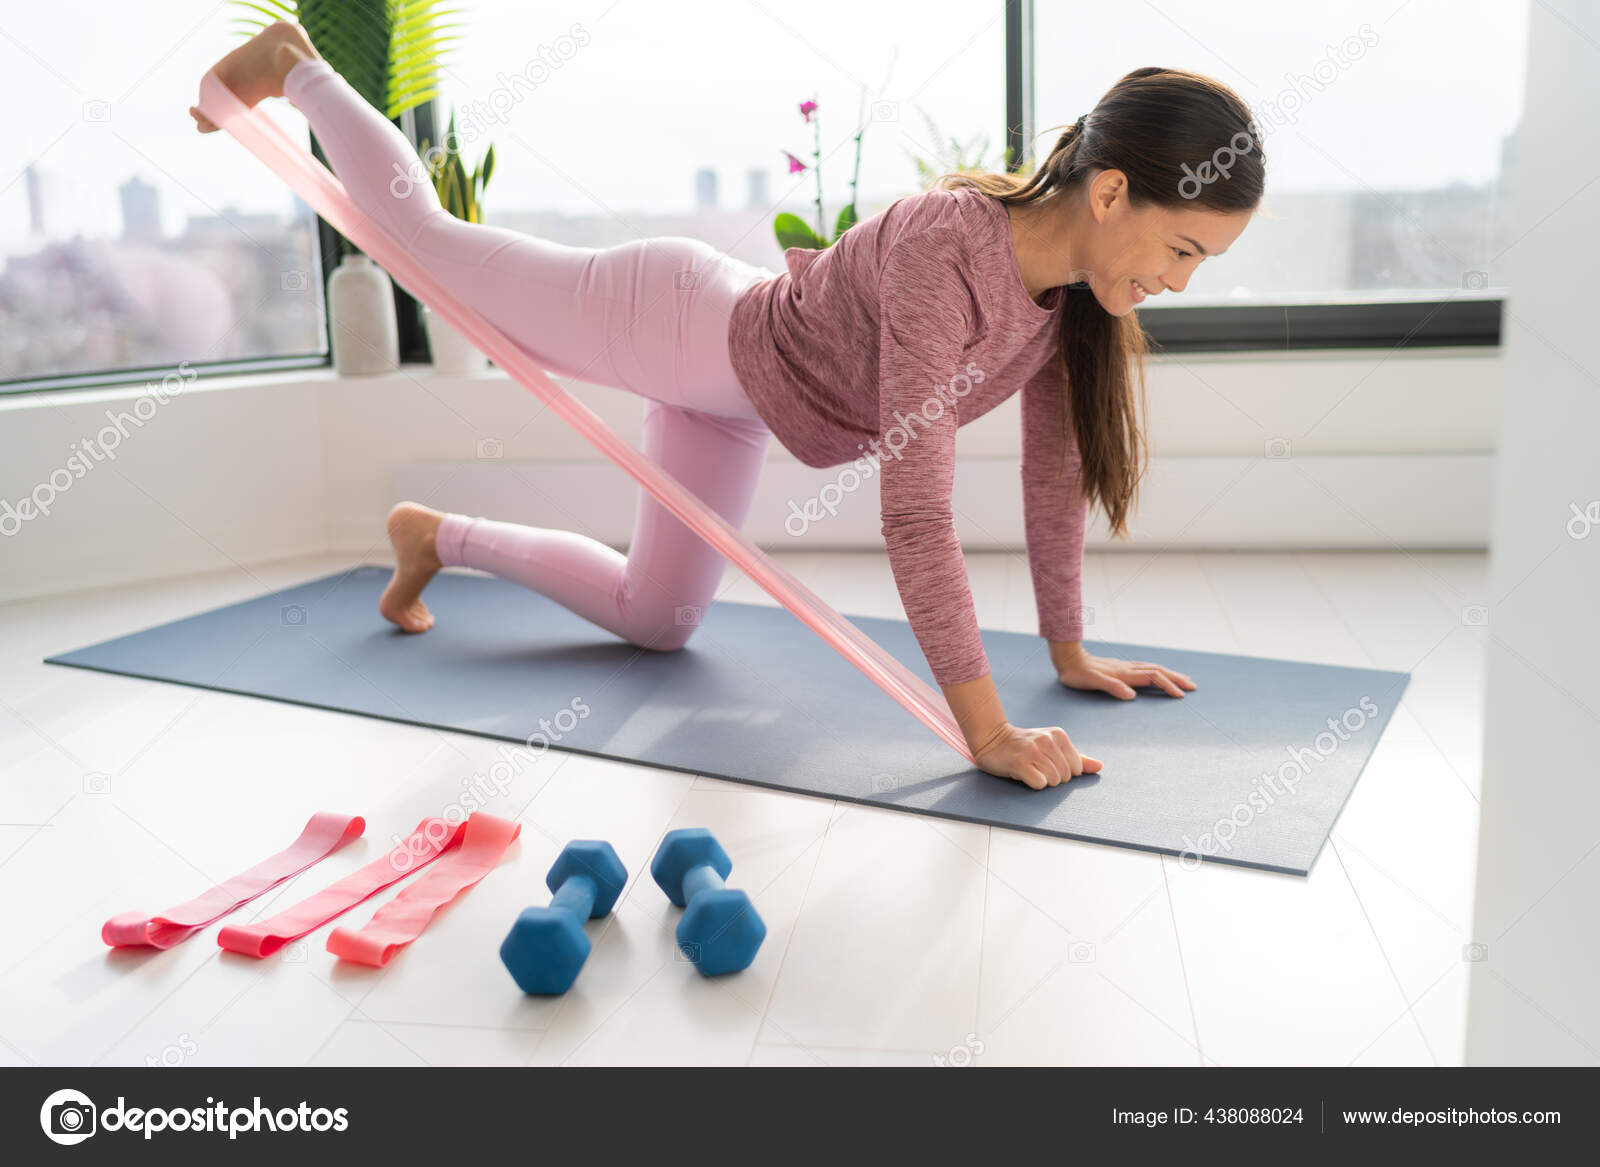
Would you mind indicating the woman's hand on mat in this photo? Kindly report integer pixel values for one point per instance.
(1078, 669)
(1035, 757)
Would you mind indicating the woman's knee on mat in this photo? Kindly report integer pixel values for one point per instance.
(664, 623)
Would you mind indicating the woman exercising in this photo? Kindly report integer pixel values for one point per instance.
(870, 353)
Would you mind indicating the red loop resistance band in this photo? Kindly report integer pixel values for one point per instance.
(478, 849)
(431, 839)
(324, 834)
(314, 183)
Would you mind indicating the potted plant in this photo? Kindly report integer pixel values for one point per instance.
(461, 193)
(792, 230)
(954, 156)
(390, 51)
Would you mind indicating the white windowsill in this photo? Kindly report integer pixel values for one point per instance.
(112, 394)
(1389, 449)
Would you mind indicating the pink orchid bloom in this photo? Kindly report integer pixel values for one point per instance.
(795, 165)
(807, 108)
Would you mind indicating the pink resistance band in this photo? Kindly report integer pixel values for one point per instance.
(314, 183)
(400, 921)
(431, 839)
(323, 835)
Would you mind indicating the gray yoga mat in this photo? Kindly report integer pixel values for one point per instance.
(1245, 769)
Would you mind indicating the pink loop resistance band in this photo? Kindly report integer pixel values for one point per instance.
(478, 849)
(324, 834)
(314, 183)
(430, 840)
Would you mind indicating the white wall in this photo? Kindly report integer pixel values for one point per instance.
(1385, 450)
(226, 471)
(1535, 999)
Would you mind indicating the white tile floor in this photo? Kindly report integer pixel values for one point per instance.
(892, 938)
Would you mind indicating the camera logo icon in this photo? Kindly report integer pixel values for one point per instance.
(292, 616)
(295, 281)
(68, 1117)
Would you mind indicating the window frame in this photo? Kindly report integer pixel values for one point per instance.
(416, 124)
(1361, 321)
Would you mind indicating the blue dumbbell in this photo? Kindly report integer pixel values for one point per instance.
(546, 947)
(720, 930)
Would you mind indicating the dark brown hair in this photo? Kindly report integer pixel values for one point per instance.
(1159, 127)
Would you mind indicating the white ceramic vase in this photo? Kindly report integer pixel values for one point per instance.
(366, 335)
(453, 354)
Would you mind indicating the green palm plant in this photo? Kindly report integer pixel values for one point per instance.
(390, 51)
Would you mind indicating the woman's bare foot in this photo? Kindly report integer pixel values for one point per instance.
(255, 70)
(412, 530)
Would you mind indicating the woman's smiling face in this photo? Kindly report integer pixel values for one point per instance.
(1132, 254)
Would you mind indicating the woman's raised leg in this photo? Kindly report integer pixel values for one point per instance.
(649, 316)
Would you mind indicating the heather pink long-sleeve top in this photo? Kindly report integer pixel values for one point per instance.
(876, 350)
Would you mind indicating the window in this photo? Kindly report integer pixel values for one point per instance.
(619, 119)
(1387, 132)
(129, 243)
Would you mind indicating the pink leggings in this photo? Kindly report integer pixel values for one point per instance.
(649, 316)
